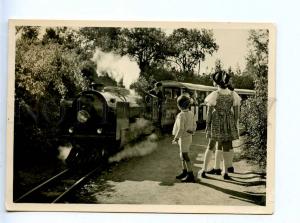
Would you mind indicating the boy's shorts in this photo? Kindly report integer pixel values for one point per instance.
(185, 143)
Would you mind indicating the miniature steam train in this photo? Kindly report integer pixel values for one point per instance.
(97, 122)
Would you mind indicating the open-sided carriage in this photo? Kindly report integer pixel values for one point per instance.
(168, 107)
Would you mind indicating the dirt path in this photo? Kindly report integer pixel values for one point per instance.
(151, 180)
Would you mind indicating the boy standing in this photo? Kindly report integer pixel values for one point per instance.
(184, 128)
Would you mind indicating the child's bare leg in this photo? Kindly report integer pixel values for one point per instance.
(184, 168)
(187, 162)
(183, 163)
(190, 175)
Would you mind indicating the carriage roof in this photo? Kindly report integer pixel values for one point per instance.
(200, 87)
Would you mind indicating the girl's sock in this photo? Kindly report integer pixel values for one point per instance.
(206, 159)
(226, 157)
(218, 157)
(231, 154)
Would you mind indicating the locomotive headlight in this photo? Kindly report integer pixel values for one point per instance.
(82, 116)
(71, 130)
(99, 131)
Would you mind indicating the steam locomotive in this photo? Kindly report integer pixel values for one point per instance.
(97, 123)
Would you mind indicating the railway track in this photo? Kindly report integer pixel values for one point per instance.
(56, 188)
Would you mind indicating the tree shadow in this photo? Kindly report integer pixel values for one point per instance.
(240, 183)
(251, 172)
(258, 199)
(248, 178)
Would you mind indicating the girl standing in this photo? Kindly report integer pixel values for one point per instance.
(222, 118)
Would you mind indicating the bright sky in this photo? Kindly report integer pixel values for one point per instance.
(232, 49)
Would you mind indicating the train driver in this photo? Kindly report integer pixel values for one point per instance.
(157, 91)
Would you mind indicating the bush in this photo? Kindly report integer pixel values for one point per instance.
(254, 118)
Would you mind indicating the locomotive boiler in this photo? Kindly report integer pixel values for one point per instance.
(97, 123)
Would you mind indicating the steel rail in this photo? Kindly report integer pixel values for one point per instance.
(41, 185)
(75, 184)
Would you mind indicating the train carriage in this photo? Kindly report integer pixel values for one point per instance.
(171, 91)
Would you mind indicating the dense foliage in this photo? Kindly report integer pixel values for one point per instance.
(254, 112)
(47, 69)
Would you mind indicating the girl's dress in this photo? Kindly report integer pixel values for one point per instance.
(222, 127)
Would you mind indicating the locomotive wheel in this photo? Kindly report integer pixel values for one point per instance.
(84, 156)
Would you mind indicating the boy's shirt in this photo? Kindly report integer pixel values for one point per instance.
(185, 124)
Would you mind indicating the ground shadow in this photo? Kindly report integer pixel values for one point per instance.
(259, 199)
(240, 183)
(248, 178)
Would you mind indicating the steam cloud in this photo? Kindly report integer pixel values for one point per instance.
(140, 141)
(139, 128)
(140, 149)
(117, 67)
(64, 151)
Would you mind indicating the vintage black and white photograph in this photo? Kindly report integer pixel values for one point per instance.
(141, 117)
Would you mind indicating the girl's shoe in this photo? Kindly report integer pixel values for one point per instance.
(226, 177)
(215, 171)
(182, 175)
(230, 169)
(202, 174)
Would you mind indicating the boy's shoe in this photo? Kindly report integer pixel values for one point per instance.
(189, 178)
(182, 175)
(226, 177)
(230, 169)
(215, 171)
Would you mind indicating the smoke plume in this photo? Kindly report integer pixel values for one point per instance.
(117, 67)
(139, 128)
(140, 140)
(139, 149)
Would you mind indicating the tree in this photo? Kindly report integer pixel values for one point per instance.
(254, 111)
(47, 69)
(69, 39)
(190, 46)
(238, 70)
(218, 65)
(121, 83)
(243, 82)
(28, 33)
(106, 38)
(147, 46)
